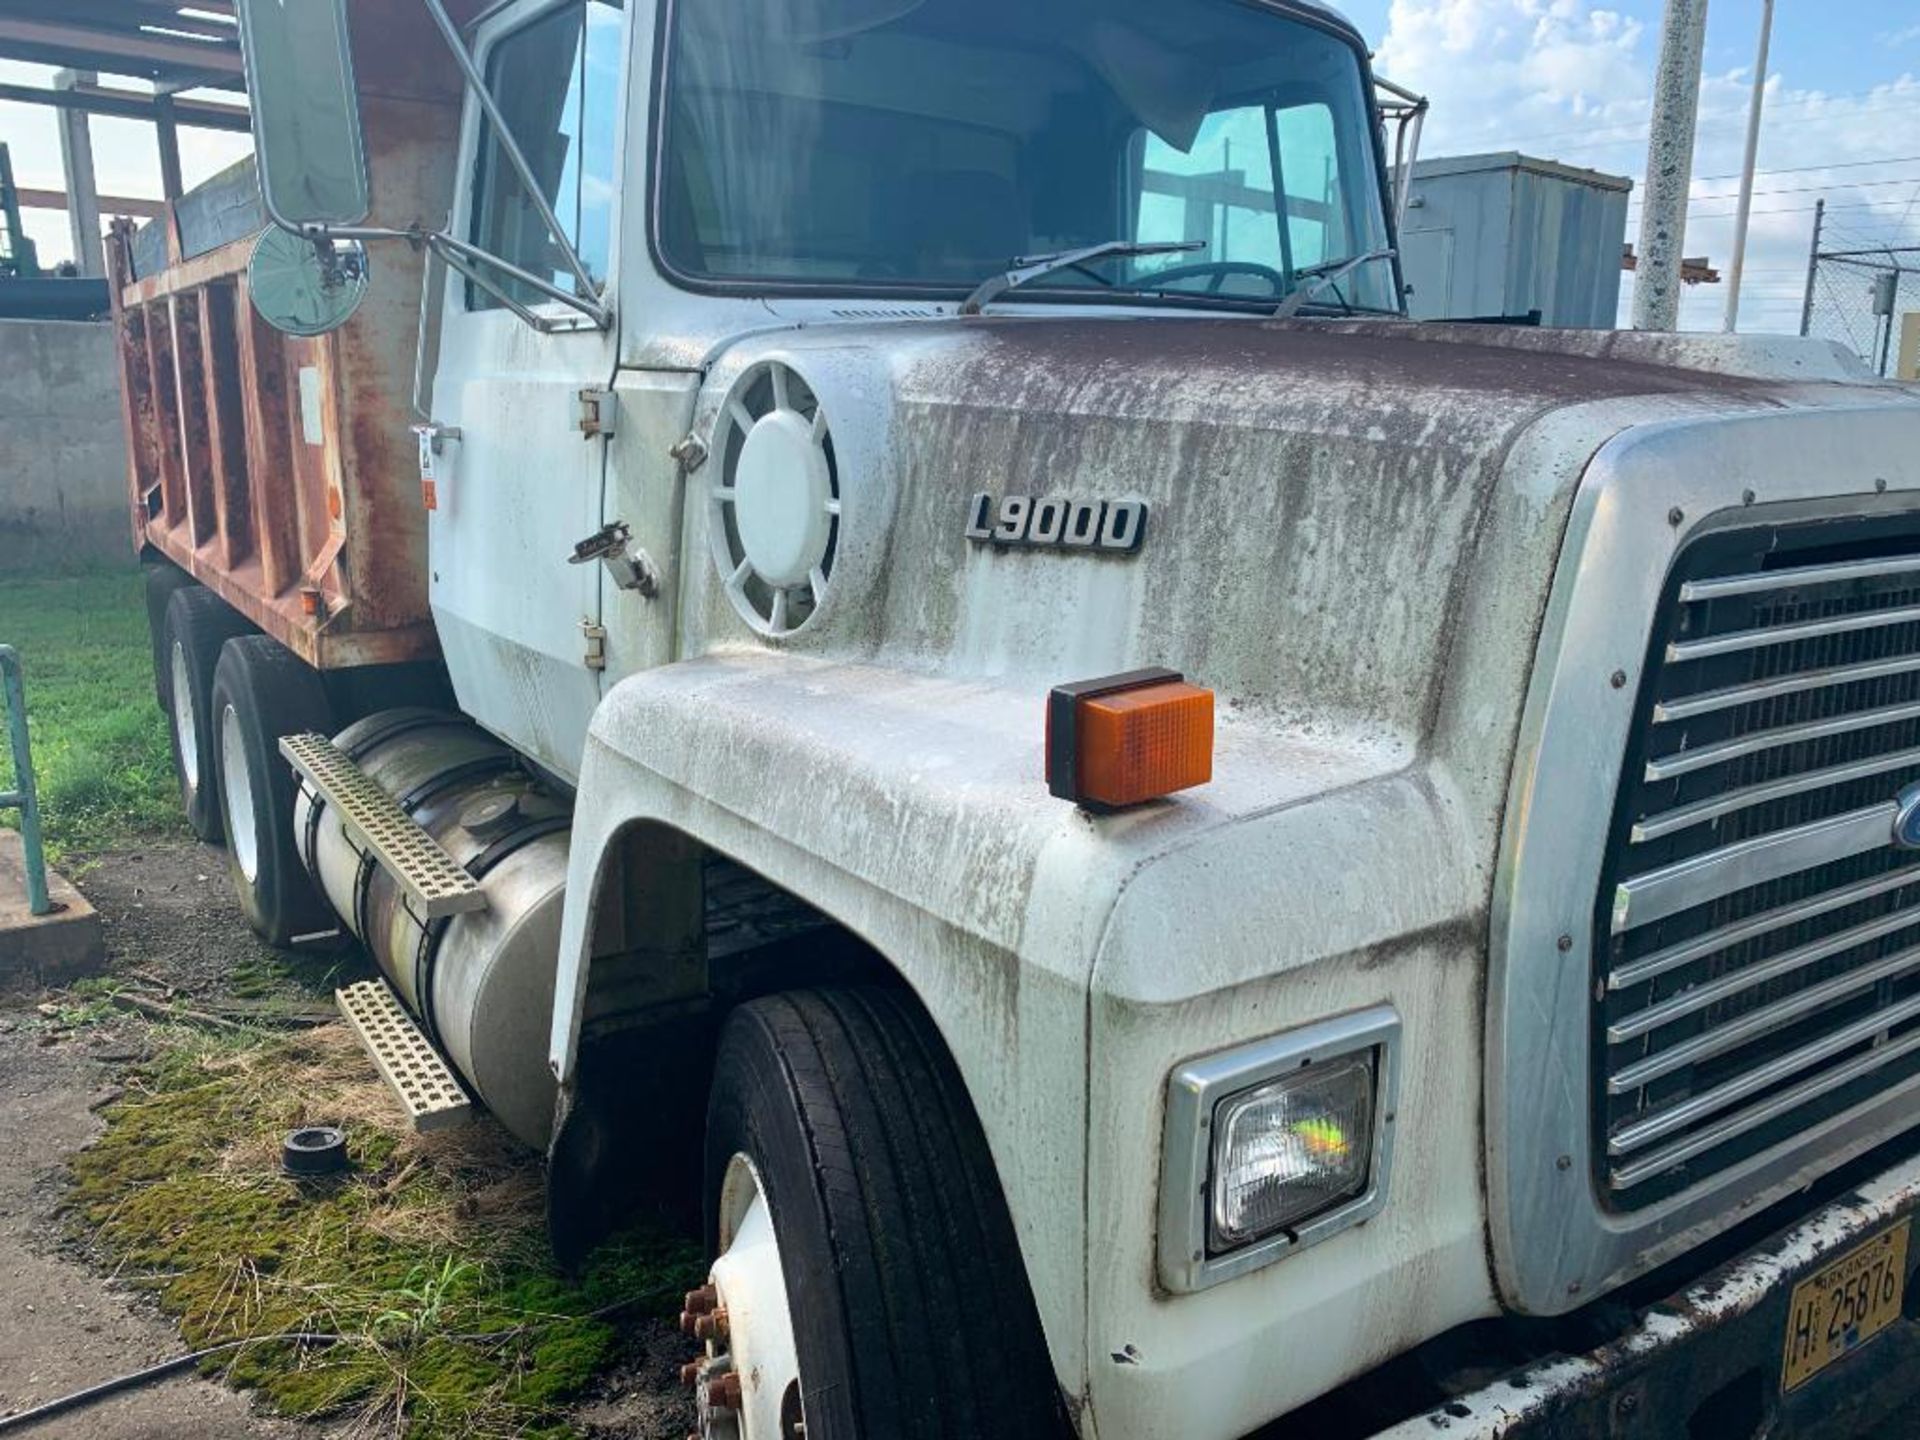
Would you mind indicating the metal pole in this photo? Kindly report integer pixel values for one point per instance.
(1745, 209)
(1813, 265)
(83, 194)
(22, 796)
(1663, 217)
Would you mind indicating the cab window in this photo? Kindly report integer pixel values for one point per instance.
(1316, 204)
(557, 82)
(1218, 190)
(1266, 189)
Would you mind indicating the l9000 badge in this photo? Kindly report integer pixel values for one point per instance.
(1113, 527)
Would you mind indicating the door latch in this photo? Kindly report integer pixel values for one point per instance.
(598, 408)
(630, 566)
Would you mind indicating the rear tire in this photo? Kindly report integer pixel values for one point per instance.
(163, 580)
(199, 623)
(262, 691)
(842, 1113)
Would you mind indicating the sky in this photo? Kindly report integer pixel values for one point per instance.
(1573, 82)
(1557, 79)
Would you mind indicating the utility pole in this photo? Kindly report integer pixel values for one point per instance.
(1813, 265)
(1745, 208)
(1663, 218)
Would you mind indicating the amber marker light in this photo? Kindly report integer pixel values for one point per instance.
(1127, 738)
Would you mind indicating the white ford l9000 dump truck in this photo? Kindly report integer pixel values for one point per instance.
(944, 683)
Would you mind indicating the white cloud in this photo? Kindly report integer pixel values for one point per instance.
(1495, 68)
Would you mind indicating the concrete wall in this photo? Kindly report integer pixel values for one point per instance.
(63, 465)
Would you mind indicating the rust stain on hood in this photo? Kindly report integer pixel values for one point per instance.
(1315, 492)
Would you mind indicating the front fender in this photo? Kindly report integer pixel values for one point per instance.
(912, 810)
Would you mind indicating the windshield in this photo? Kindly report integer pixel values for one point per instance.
(921, 145)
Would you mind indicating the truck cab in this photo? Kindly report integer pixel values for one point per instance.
(1146, 845)
(740, 172)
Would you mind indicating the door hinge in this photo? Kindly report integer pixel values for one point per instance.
(598, 409)
(596, 640)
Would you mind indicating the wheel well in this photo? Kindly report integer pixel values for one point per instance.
(680, 935)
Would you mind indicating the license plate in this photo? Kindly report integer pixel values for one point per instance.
(1842, 1306)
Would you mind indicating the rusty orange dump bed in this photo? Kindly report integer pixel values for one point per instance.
(281, 472)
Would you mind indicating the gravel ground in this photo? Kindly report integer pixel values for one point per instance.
(171, 921)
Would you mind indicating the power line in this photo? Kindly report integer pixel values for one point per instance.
(1894, 93)
(1807, 190)
(1835, 165)
(1792, 210)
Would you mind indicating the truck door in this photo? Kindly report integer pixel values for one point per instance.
(516, 481)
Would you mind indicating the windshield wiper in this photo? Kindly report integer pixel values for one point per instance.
(1032, 267)
(1319, 277)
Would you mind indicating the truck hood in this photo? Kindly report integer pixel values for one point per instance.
(1316, 492)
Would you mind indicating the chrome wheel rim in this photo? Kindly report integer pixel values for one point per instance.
(237, 788)
(749, 1378)
(185, 734)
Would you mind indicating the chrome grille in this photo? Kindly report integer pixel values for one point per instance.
(1757, 937)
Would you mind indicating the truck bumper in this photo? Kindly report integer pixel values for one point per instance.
(1709, 1360)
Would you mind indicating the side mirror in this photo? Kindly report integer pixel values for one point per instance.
(304, 286)
(306, 112)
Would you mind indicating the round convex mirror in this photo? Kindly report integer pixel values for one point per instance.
(303, 287)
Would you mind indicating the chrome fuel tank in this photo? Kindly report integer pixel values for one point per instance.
(479, 983)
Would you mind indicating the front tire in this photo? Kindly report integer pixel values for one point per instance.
(842, 1147)
(199, 623)
(262, 691)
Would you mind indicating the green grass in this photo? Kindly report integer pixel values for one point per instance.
(100, 748)
(428, 1260)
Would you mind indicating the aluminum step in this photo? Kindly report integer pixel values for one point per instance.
(436, 884)
(429, 1091)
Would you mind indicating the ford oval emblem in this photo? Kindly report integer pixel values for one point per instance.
(1906, 818)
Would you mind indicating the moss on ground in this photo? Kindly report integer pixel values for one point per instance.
(100, 747)
(429, 1258)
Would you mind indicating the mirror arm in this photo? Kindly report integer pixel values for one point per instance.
(513, 153)
(1409, 111)
(545, 324)
(466, 258)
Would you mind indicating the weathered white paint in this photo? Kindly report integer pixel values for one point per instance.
(516, 492)
(1354, 525)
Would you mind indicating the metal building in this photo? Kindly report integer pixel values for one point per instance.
(1503, 235)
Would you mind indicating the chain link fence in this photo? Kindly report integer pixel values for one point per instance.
(1862, 299)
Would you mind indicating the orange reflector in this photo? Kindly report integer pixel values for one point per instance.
(1128, 738)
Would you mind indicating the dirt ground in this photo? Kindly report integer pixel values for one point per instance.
(170, 918)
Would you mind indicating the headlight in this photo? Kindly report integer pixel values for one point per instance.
(1276, 1145)
(1291, 1149)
